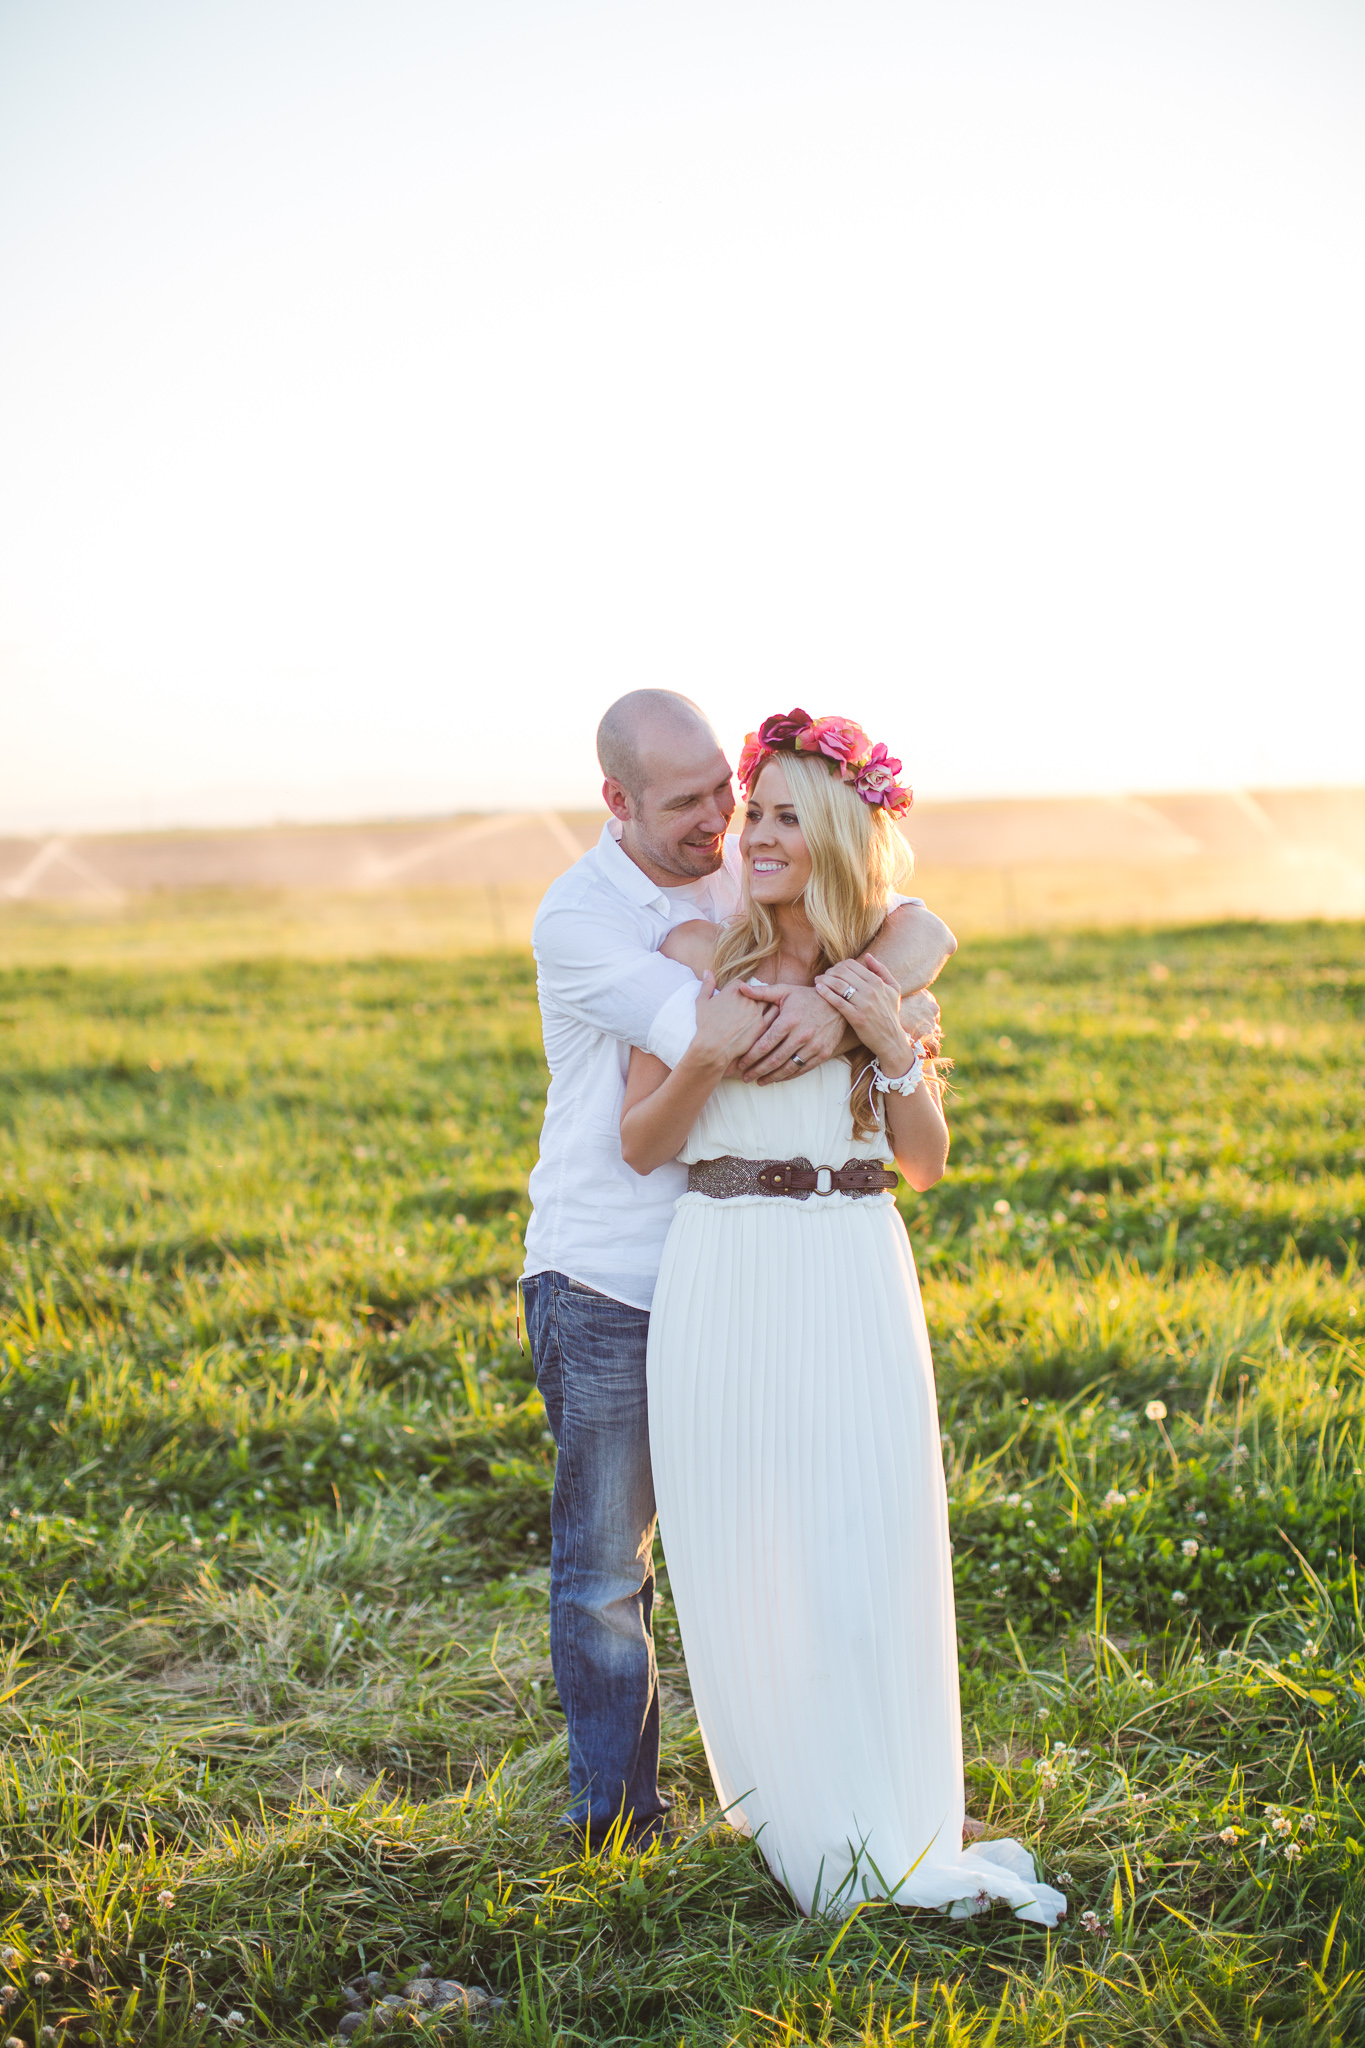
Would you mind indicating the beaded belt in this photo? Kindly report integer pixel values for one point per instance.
(723, 1179)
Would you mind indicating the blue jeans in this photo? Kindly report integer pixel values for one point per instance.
(589, 1354)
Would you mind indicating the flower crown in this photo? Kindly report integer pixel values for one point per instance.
(871, 770)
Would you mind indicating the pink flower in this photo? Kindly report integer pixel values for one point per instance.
(751, 759)
(839, 739)
(876, 783)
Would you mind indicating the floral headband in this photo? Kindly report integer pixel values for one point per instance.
(871, 770)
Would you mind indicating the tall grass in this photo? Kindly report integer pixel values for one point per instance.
(274, 1479)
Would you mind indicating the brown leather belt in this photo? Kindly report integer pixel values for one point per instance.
(723, 1179)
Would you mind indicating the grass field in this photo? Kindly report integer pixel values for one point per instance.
(274, 1684)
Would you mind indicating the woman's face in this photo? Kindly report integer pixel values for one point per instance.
(774, 853)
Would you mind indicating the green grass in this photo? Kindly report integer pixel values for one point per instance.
(275, 1695)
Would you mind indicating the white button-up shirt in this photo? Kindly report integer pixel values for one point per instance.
(604, 986)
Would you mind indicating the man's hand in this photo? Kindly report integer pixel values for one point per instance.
(920, 1018)
(804, 1034)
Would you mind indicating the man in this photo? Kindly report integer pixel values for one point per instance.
(597, 1229)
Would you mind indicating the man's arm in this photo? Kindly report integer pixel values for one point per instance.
(604, 977)
(913, 945)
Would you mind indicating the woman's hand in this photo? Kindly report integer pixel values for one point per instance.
(868, 997)
(728, 1023)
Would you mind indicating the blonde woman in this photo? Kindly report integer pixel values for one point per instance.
(792, 1416)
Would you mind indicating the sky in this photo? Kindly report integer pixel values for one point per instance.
(386, 387)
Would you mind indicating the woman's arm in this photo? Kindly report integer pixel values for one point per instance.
(915, 1123)
(662, 1104)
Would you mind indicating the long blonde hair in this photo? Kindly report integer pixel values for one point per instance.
(856, 858)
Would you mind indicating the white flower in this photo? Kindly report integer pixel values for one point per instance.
(1201, 1516)
(1155, 1411)
(995, 1567)
(1290, 1851)
(347, 1441)
(1012, 1500)
(1180, 1599)
(235, 2019)
(1113, 1499)
(165, 1899)
(1281, 1822)
(1092, 1923)
(1308, 1824)
(309, 1466)
(1189, 1548)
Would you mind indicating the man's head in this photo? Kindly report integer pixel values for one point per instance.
(668, 782)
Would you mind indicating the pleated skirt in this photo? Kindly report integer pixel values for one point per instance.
(799, 1476)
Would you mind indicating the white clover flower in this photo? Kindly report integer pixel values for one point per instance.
(1290, 1851)
(1308, 1824)
(1155, 1411)
(1189, 1548)
(165, 1900)
(1012, 1500)
(347, 1441)
(1113, 1499)
(1180, 1599)
(1092, 1923)
(235, 2019)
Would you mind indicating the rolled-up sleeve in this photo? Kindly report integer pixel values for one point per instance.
(613, 982)
(675, 1024)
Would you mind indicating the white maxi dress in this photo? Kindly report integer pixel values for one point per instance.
(798, 1470)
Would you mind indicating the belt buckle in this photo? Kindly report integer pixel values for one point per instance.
(824, 1180)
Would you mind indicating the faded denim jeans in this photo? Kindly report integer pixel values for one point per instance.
(589, 1354)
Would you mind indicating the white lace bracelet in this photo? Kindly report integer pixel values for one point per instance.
(902, 1084)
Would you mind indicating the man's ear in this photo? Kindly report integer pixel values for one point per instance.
(616, 800)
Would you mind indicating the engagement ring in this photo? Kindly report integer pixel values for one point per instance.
(849, 993)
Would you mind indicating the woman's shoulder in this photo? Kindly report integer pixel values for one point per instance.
(694, 943)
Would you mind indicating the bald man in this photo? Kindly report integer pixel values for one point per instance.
(597, 1229)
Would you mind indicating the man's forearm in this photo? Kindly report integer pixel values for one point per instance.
(914, 945)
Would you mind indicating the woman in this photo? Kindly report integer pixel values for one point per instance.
(793, 1422)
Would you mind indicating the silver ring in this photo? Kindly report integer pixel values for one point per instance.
(849, 993)
(797, 1060)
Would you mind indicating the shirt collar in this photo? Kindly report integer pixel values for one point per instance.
(621, 871)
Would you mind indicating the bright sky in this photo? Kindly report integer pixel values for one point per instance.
(384, 387)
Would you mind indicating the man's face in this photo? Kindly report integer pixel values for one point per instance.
(675, 828)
